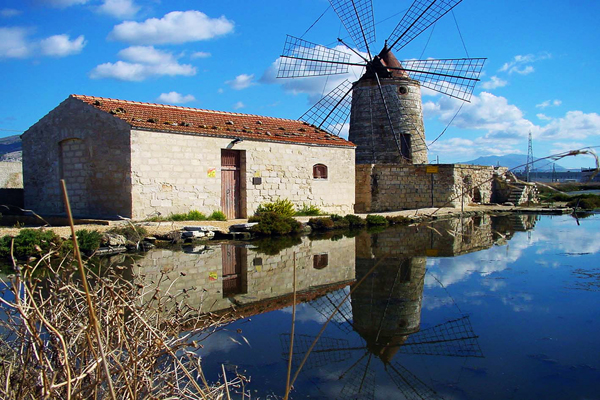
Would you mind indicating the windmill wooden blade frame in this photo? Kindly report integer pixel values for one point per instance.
(420, 16)
(332, 111)
(453, 77)
(301, 58)
(357, 17)
(410, 385)
(454, 338)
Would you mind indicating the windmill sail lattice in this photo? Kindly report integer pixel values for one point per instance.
(357, 17)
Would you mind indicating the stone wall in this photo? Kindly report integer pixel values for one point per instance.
(11, 175)
(175, 173)
(370, 122)
(102, 157)
(264, 276)
(388, 187)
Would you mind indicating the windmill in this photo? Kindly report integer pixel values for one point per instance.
(384, 105)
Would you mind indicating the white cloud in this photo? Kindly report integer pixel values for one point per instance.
(62, 46)
(175, 98)
(142, 62)
(238, 105)
(548, 103)
(200, 54)
(119, 8)
(9, 12)
(544, 117)
(519, 64)
(62, 3)
(486, 112)
(174, 28)
(242, 81)
(15, 43)
(145, 55)
(574, 125)
(494, 83)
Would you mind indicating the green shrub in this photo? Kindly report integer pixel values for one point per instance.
(321, 224)
(560, 197)
(217, 216)
(272, 223)
(30, 242)
(131, 233)
(88, 241)
(193, 215)
(376, 220)
(398, 220)
(282, 207)
(355, 221)
(308, 210)
(585, 202)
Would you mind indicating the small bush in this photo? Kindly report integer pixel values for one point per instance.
(308, 210)
(272, 223)
(355, 221)
(376, 220)
(282, 207)
(133, 234)
(88, 241)
(30, 242)
(217, 216)
(398, 220)
(321, 224)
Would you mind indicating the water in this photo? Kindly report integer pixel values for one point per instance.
(478, 308)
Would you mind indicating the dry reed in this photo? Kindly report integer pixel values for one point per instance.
(49, 349)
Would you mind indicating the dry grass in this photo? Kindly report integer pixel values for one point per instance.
(48, 347)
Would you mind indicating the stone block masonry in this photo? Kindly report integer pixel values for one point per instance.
(11, 175)
(175, 173)
(389, 187)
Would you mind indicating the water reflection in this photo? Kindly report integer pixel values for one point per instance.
(378, 321)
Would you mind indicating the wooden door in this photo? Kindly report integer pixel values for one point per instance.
(233, 258)
(230, 183)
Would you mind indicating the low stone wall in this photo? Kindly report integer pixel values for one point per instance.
(11, 175)
(392, 187)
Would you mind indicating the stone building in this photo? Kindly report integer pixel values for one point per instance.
(132, 159)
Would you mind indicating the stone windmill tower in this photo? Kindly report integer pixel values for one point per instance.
(384, 105)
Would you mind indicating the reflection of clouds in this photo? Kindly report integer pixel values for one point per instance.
(577, 240)
(518, 301)
(494, 284)
(219, 342)
(433, 302)
(456, 269)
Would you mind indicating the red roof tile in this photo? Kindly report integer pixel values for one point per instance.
(165, 118)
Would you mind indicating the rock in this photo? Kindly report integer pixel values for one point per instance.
(114, 240)
(242, 227)
(509, 204)
(200, 228)
(150, 239)
(105, 251)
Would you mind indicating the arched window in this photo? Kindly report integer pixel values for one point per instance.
(319, 171)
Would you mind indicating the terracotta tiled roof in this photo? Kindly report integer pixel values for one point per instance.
(165, 118)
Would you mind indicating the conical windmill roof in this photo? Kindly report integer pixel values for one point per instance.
(388, 59)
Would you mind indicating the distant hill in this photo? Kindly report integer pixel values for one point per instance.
(515, 161)
(10, 148)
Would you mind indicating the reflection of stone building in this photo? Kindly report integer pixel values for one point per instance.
(227, 275)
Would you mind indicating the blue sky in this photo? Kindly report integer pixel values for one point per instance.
(540, 75)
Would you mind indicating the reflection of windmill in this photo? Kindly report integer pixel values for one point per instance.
(386, 121)
(385, 311)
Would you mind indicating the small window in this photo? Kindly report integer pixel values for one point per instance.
(320, 171)
(320, 261)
